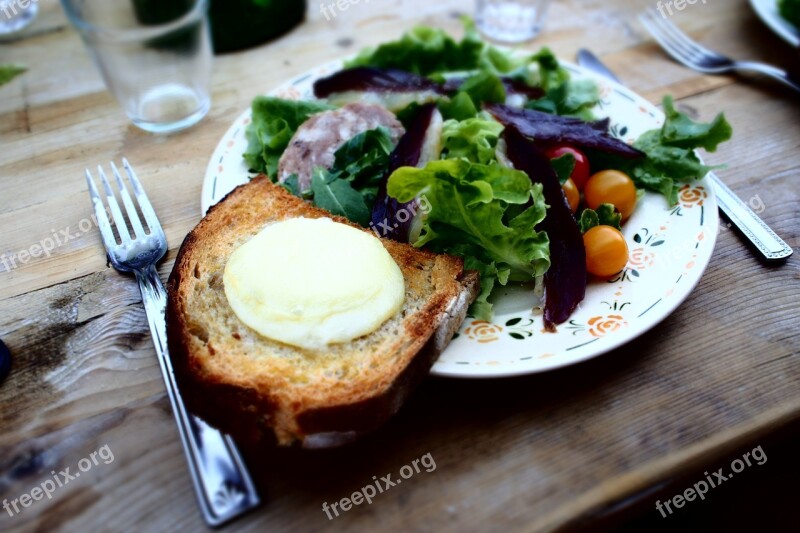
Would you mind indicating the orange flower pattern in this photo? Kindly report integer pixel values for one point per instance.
(600, 326)
(691, 196)
(483, 332)
(641, 259)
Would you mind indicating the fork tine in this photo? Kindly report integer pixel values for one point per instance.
(100, 213)
(144, 202)
(116, 213)
(682, 38)
(677, 52)
(133, 216)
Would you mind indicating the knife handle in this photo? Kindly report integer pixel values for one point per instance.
(770, 246)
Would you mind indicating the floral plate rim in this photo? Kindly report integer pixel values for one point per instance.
(498, 365)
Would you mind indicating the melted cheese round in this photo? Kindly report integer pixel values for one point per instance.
(313, 282)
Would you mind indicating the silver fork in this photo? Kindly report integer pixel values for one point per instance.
(223, 485)
(686, 51)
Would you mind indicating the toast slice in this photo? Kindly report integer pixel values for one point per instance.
(253, 387)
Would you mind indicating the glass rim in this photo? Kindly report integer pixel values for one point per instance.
(90, 30)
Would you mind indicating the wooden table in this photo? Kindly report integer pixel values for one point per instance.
(559, 450)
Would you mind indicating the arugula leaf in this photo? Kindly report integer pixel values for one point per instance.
(339, 197)
(9, 72)
(292, 185)
(469, 203)
(363, 159)
(474, 139)
(670, 152)
(605, 215)
(564, 166)
(350, 187)
(274, 122)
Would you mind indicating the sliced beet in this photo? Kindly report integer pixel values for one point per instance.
(565, 281)
(366, 79)
(548, 128)
(390, 218)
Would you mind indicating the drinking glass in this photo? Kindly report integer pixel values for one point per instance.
(155, 57)
(16, 14)
(511, 21)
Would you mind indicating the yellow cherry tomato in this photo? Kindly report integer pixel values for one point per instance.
(606, 251)
(572, 194)
(611, 187)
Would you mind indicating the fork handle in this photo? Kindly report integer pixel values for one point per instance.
(773, 72)
(221, 481)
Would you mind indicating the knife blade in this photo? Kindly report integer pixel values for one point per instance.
(761, 236)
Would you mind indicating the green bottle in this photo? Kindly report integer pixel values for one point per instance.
(235, 24)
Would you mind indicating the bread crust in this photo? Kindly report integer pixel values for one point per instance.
(255, 407)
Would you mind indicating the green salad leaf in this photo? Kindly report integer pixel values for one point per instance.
(573, 98)
(549, 74)
(9, 72)
(363, 160)
(484, 88)
(563, 166)
(474, 139)
(681, 131)
(459, 107)
(339, 197)
(670, 152)
(350, 187)
(605, 215)
(471, 216)
(274, 122)
(790, 10)
(428, 51)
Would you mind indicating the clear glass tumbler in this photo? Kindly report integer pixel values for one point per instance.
(155, 61)
(16, 14)
(511, 21)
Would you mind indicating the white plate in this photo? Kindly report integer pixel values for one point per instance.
(670, 248)
(768, 11)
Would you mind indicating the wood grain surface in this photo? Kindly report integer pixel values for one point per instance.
(557, 451)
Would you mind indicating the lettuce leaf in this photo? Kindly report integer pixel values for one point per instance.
(484, 87)
(549, 74)
(670, 152)
(9, 72)
(428, 51)
(605, 215)
(790, 10)
(571, 98)
(474, 139)
(273, 124)
(459, 107)
(471, 216)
